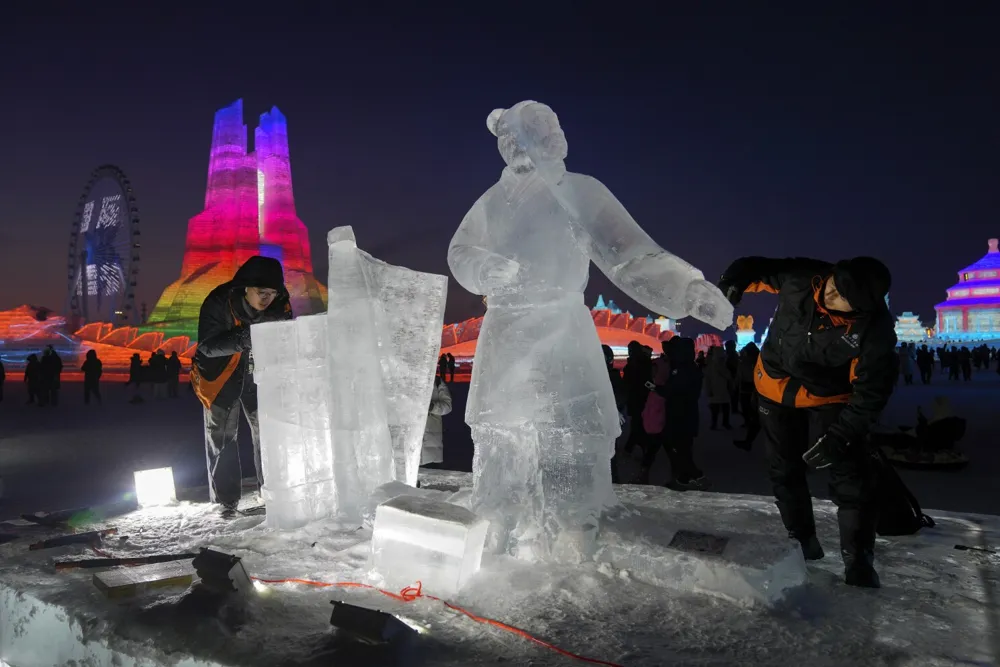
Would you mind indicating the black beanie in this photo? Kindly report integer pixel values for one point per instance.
(864, 282)
(258, 271)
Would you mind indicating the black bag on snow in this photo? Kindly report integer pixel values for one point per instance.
(899, 512)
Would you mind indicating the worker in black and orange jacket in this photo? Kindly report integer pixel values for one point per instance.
(222, 372)
(824, 375)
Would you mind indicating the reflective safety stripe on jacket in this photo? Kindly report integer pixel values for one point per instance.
(790, 392)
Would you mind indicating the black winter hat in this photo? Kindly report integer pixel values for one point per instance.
(262, 272)
(864, 282)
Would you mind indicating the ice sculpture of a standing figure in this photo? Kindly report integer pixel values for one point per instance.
(540, 405)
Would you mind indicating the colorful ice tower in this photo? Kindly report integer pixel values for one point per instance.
(249, 210)
(972, 310)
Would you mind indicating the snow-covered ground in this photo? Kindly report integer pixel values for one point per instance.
(938, 605)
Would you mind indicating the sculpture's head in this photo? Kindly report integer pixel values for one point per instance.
(529, 138)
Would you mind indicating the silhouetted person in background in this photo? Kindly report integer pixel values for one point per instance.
(443, 366)
(158, 374)
(748, 395)
(965, 359)
(682, 392)
(135, 378)
(701, 360)
(719, 383)
(451, 367)
(432, 449)
(51, 368)
(925, 362)
(619, 391)
(906, 362)
(92, 370)
(954, 363)
(33, 378)
(638, 371)
(222, 372)
(733, 364)
(173, 367)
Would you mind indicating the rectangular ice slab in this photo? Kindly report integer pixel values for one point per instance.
(744, 568)
(431, 541)
(128, 582)
(293, 394)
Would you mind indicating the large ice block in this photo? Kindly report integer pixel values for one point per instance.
(293, 398)
(540, 405)
(408, 307)
(357, 395)
(426, 540)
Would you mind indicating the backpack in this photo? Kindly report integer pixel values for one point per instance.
(899, 512)
(654, 413)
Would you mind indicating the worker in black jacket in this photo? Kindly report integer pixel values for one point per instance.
(222, 372)
(825, 374)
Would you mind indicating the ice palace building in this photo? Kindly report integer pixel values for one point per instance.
(971, 313)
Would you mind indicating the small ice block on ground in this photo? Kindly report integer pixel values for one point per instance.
(129, 582)
(744, 568)
(427, 540)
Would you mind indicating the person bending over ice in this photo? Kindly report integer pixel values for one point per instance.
(824, 375)
(222, 371)
(541, 407)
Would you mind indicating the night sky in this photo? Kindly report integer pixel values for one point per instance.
(724, 133)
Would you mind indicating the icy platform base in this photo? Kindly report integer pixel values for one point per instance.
(938, 605)
(745, 568)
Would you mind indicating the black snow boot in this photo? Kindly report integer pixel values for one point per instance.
(228, 509)
(857, 547)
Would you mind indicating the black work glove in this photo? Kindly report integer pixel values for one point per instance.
(244, 339)
(828, 450)
(734, 281)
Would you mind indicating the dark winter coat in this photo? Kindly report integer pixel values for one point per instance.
(220, 367)
(682, 390)
(638, 371)
(816, 357)
(158, 369)
(51, 368)
(33, 373)
(173, 368)
(92, 368)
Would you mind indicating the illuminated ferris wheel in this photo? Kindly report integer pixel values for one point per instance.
(103, 259)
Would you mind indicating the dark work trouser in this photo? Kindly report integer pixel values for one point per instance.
(789, 432)
(748, 403)
(222, 450)
(680, 451)
(91, 387)
(715, 409)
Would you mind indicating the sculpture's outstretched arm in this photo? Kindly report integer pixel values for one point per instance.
(476, 268)
(637, 265)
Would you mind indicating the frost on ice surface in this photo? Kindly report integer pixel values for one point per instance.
(540, 405)
(427, 540)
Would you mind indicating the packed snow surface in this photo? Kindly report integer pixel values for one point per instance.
(938, 605)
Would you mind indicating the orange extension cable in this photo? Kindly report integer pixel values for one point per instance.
(411, 593)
